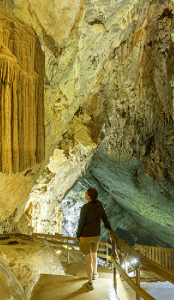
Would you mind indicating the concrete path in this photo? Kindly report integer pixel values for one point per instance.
(65, 287)
(72, 285)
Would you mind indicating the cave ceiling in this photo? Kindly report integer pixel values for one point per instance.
(109, 111)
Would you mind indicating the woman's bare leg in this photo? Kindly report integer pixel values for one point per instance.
(88, 259)
(94, 262)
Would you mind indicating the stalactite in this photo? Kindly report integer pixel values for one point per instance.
(21, 96)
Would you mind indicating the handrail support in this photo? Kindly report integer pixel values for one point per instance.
(138, 277)
(114, 268)
(67, 253)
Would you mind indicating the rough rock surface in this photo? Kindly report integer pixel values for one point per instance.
(133, 167)
(142, 211)
(66, 167)
(28, 257)
(22, 65)
(109, 75)
(10, 287)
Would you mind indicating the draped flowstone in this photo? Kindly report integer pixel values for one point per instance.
(22, 63)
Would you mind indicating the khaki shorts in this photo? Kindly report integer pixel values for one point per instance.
(89, 244)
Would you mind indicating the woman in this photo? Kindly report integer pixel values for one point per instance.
(89, 232)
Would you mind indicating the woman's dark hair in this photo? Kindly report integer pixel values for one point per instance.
(93, 194)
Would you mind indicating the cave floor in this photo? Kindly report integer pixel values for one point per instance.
(72, 286)
(64, 287)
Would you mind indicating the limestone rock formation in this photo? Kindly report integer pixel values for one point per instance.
(28, 258)
(108, 92)
(66, 166)
(10, 287)
(21, 96)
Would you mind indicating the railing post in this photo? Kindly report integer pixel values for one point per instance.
(170, 265)
(67, 254)
(106, 256)
(138, 281)
(114, 269)
(138, 278)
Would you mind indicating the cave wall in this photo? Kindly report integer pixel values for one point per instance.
(140, 211)
(133, 166)
(27, 257)
(10, 288)
(108, 76)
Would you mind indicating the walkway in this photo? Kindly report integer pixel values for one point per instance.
(72, 286)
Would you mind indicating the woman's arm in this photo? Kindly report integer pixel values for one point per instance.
(105, 219)
(81, 221)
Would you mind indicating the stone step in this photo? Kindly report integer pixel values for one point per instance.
(79, 269)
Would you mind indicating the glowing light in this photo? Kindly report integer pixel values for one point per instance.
(59, 251)
(134, 261)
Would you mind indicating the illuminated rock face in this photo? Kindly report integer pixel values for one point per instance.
(66, 166)
(109, 75)
(21, 96)
(27, 257)
(10, 287)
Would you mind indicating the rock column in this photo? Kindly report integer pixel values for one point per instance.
(22, 140)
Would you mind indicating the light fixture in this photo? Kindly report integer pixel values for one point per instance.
(134, 261)
(126, 264)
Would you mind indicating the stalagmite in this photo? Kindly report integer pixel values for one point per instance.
(21, 96)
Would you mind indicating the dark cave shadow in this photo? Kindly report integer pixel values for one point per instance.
(80, 291)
